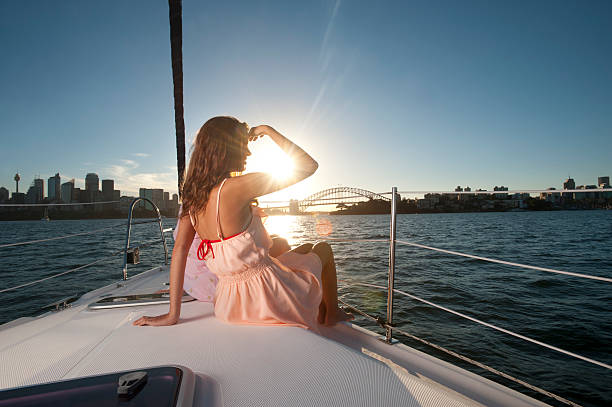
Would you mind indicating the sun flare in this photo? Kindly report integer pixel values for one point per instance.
(270, 159)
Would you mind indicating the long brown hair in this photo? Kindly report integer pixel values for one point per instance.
(220, 149)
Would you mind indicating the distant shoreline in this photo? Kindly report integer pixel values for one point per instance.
(141, 214)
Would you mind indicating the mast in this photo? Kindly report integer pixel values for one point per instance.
(176, 45)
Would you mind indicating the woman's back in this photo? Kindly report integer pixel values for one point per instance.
(226, 213)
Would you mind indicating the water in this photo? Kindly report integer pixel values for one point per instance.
(570, 313)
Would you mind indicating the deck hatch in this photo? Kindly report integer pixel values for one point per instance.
(161, 389)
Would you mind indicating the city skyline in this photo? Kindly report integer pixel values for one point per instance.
(395, 94)
(91, 182)
(100, 181)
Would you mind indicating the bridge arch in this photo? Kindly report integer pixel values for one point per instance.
(337, 195)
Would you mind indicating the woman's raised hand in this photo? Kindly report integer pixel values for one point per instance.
(259, 131)
(160, 320)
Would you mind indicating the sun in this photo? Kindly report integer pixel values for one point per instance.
(269, 158)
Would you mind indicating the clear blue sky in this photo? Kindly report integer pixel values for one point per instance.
(419, 95)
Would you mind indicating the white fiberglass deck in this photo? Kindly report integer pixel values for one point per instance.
(250, 365)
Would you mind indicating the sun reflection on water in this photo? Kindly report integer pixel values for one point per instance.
(283, 226)
(299, 229)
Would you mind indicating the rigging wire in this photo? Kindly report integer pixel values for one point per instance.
(471, 256)
(509, 263)
(142, 245)
(62, 273)
(74, 234)
(497, 328)
(462, 357)
(59, 237)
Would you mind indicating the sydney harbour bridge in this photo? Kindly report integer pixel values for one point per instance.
(331, 196)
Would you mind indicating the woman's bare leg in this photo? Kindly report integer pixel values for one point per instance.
(303, 249)
(329, 312)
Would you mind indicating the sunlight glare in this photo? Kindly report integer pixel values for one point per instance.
(282, 226)
(269, 158)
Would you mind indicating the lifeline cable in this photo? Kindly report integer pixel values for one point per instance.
(466, 359)
(497, 328)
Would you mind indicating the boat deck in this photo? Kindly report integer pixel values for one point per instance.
(236, 365)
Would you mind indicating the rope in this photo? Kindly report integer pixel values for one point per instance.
(506, 331)
(60, 204)
(609, 280)
(58, 237)
(464, 358)
(59, 274)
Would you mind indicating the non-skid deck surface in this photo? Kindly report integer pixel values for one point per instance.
(251, 365)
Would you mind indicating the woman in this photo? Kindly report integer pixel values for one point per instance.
(298, 288)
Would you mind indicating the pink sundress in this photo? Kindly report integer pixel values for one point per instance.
(254, 288)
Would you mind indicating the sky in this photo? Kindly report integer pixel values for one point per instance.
(422, 95)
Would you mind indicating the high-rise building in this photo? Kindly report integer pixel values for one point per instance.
(76, 195)
(30, 197)
(92, 188)
(85, 196)
(68, 191)
(54, 187)
(603, 182)
(108, 185)
(36, 192)
(172, 206)
(142, 193)
(158, 198)
(569, 184)
(154, 195)
(40, 186)
(167, 203)
(4, 194)
(92, 182)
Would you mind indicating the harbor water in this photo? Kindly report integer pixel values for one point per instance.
(570, 313)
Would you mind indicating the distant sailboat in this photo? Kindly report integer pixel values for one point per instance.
(46, 215)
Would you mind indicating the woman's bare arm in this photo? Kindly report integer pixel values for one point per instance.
(258, 184)
(184, 238)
